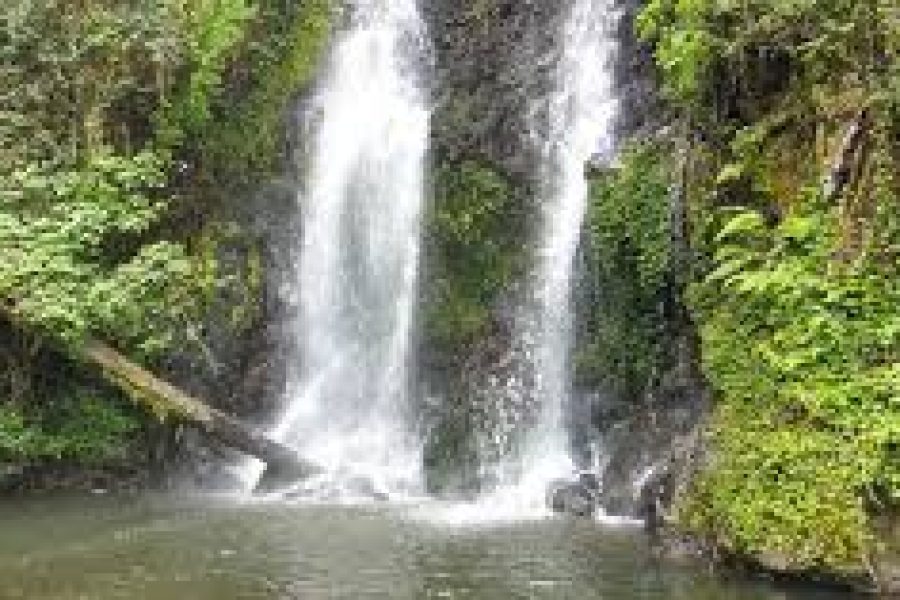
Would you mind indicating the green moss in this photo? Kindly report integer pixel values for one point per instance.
(629, 256)
(281, 59)
(475, 232)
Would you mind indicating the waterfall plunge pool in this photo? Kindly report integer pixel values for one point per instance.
(163, 548)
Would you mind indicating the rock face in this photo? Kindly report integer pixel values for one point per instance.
(240, 369)
(10, 476)
(646, 447)
(69, 476)
(642, 110)
(482, 405)
(494, 68)
(493, 62)
(648, 455)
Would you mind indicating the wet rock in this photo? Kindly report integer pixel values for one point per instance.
(10, 476)
(578, 498)
(644, 446)
(72, 476)
(493, 67)
(483, 413)
(363, 487)
(334, 488)
(281, 476)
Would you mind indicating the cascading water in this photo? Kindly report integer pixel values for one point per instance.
(579, 129)
(355, 284)
(582, 116)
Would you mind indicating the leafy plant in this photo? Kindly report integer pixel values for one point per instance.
(806, 357)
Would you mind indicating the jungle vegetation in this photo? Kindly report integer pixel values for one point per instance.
(126, 127)
(786, 116)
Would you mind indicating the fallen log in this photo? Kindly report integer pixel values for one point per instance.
(164, 398)
(169, 402)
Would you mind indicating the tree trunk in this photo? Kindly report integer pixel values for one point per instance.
(167, 401)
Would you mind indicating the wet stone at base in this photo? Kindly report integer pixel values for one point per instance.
(579, 497)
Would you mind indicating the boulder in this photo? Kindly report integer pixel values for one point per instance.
(577, 498)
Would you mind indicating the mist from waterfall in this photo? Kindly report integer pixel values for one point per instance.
(355, 280)
(579, 129)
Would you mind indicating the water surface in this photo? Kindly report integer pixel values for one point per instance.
(163, 549)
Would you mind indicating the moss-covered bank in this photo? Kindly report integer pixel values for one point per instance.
(793, 282)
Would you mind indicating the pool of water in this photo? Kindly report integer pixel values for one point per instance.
(104, 547)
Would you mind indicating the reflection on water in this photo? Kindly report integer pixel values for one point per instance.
(161, 549)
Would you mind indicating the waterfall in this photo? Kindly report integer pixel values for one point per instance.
(355, 280)
(579, 128)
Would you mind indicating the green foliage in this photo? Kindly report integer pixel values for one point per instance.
(79, 210)
(80, 426)
(61, 273)
(806, 356)
(278, 61)
(68, 65)
(817, 42)
(212, 31)
(630, 218)
(685, 42)
(107, 109)
(476, 230)
(796, 302)
(630, 252)
(77, 213)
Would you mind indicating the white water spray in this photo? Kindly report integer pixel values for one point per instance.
(355, 284)
(582, 120)
(582, 114)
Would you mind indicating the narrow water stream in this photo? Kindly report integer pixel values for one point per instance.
(105, 548)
